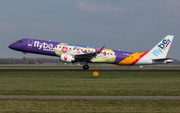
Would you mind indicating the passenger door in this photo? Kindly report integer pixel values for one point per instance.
(30, 43)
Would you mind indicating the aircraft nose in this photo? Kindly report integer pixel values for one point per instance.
(12, 46)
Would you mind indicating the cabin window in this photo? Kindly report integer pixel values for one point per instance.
(131, 56)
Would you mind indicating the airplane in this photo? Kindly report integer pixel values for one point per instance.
(77, 53)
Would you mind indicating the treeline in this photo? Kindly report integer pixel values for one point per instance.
(45, 61)
(176, 62)
(29, 61)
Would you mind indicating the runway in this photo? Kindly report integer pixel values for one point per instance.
(81, 70)
(92, 97)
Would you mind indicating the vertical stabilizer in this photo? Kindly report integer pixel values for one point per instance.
(158, 52)
(161, 49)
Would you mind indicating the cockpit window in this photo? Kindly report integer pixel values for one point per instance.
(20, 41)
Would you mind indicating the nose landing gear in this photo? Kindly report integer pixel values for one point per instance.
(24, 53)
(24, 58)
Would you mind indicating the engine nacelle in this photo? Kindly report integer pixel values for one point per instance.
(66, 58)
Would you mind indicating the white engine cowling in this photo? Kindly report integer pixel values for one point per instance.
(66, 58)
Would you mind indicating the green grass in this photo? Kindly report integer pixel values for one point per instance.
(84, 83)
(85, 106)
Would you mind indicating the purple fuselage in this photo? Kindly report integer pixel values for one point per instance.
(50, 48)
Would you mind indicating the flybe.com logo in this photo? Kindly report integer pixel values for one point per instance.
(161, 47)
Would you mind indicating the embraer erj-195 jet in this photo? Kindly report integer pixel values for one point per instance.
(76, 53)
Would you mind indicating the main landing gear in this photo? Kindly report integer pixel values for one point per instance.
(86, 67)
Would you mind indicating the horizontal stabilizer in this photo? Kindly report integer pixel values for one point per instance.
(163, 60)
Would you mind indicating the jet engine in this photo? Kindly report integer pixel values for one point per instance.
(66, 58)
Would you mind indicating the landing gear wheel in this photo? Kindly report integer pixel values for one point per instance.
(24, 58)
(85, 67)
(24, 53)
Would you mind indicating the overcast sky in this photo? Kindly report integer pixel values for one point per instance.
(128, 25)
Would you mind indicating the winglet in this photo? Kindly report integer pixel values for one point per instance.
(100, 50)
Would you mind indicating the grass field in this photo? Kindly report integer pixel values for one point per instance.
(84, 83)
(89, 106)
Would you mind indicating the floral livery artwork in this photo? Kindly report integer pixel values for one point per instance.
(64, 48)
(107, 55)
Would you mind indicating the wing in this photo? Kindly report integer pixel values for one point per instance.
(88, 56)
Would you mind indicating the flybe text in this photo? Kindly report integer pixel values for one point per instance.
(165, 43)
(43, 45)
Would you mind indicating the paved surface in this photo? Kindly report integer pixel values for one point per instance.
(81, 70)
(93, 97)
